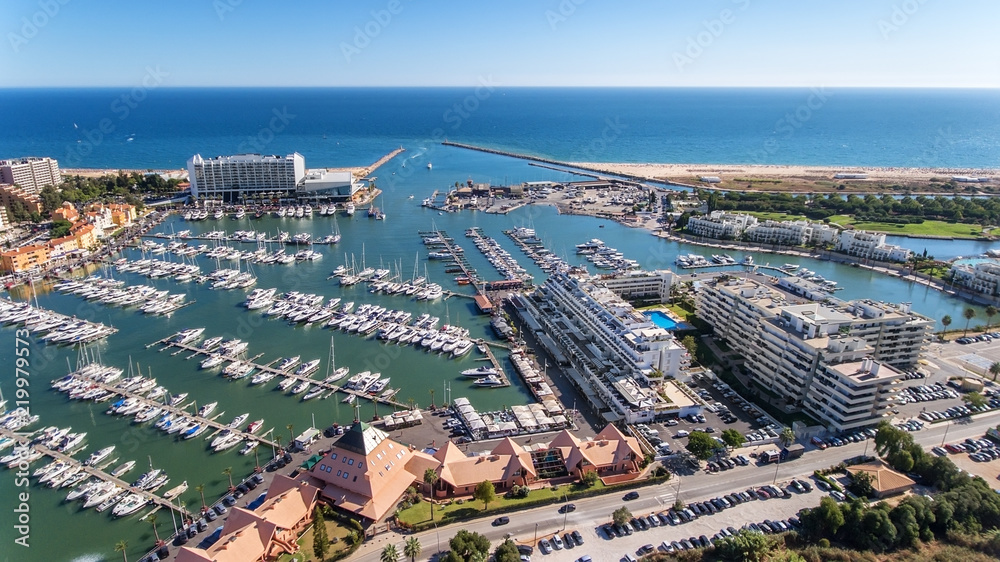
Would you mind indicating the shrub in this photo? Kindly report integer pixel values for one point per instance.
(824, 543)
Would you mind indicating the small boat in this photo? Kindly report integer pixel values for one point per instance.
(98, 456)
(307, 368)
(178, 399)
(286, 383)
(207, 409)
(288, 363)
(176, 491)
(122, 469)
(249, 447)
(301, 387)
(350, 399)
(212, 361)
(313, 393)
(478, 372)
(238, 420)
(489, 381)
(130, 505)
(255, 426)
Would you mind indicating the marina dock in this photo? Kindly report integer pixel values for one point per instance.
(197, 351)
(458, 257)
(93, 471)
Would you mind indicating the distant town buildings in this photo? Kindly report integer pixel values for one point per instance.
(858, 243)
(30, 173)
(813, 354)
(9, 193)
(255, 176)
(24, 258)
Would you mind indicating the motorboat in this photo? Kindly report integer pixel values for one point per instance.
(301, 387)
(479, 372)
(288, 363)
(207, 409)
(98, 456)
(213, 360)
(307, 368)
(249, 447)
(131, 504)
(238, 420)
(313, 393)
(489, 381)
(175, 491)
(255, 426)
(122, 469)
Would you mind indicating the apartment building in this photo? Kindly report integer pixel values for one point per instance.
(871, 245)
(30, 173)
(24, 258)
(232, 177)
(719, 224)
(640, 284)
(786, 340)
(851, 394)
(791, 233)
(981, 275)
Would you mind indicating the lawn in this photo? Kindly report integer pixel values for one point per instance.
(305, 542)
(927, 228)
(421, 512)
(775, 216)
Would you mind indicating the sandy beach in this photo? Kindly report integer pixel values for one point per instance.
(782, 177)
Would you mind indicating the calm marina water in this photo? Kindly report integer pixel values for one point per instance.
(59, 532)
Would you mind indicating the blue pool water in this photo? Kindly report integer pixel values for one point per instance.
(662, 320)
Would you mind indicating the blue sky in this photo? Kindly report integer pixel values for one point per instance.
(884, 43)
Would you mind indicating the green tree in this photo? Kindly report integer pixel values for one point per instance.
(506, 552)
(291, 436)
(733, 438)
(466, 545)
(122, 546)
(621, 515)
(200, 488)
(60, 228)
(990, 312)
(974, 399)
(321, 542)
(995, 370)
(690, 344)
(19, 212)
(589, 478)
(389, 554)
(228, 471)
(824, 520)
(862, 484)
(411, 548)
(786, 437)
(946, 321)
(969, 314)
(152, 521)
(876, 531)
(51, 198)
(746, 545)
(889, 439)
(901, 460)
(485, 492)
(702, 445)
(431, 479)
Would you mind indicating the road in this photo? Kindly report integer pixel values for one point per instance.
(592, 512)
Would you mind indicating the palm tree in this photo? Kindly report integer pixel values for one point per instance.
(786, 437)
(990, 312)
(431, 478)
(152, 521)
(122, 546)
(389, 554)
(969, 314)
(201, 490)
(946, 321)
(432, 398)
(995, 370)
(228, 471)
(291, 437)
(412, 548)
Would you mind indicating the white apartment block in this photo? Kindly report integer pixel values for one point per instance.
(871, 245)
(785, 341)
(980, 276)
(852, 394)
(639, 284)
(31, 173)
(231, 177)
(791, 233)
(616, 351)
(719, 224)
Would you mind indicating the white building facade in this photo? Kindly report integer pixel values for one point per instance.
(982, 277)
(232, 177)
(31, 173)
(719, 224)
(871, 245)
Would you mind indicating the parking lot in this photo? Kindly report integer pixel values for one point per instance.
(665, 526)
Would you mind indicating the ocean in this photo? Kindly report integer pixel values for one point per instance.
(90, 128)
(361, 125)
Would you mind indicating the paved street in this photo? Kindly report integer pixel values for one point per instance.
(592, 512)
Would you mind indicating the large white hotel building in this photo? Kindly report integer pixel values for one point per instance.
(250, 176)
(30, 173)
(837, 361)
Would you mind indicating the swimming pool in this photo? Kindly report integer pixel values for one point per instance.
(661, 320)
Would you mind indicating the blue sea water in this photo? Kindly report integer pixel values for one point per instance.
(352, 126)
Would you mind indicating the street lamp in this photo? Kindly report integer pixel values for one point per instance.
(536, 535)
(439, 536)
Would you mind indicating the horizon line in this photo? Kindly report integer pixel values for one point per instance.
(515, 86)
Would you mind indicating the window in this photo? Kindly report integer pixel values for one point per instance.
(343, 459)
(338, 472)
(387, 467)
(361, 464)
(333, 456)
(390, 445)
(350, 462)
(345, 476)
(322, 467)
(378, 456)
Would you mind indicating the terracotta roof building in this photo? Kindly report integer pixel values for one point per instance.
(611, 452)
(24, 258)
(507, 465)
(264, 533)
(886, 481)
(365, 472)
